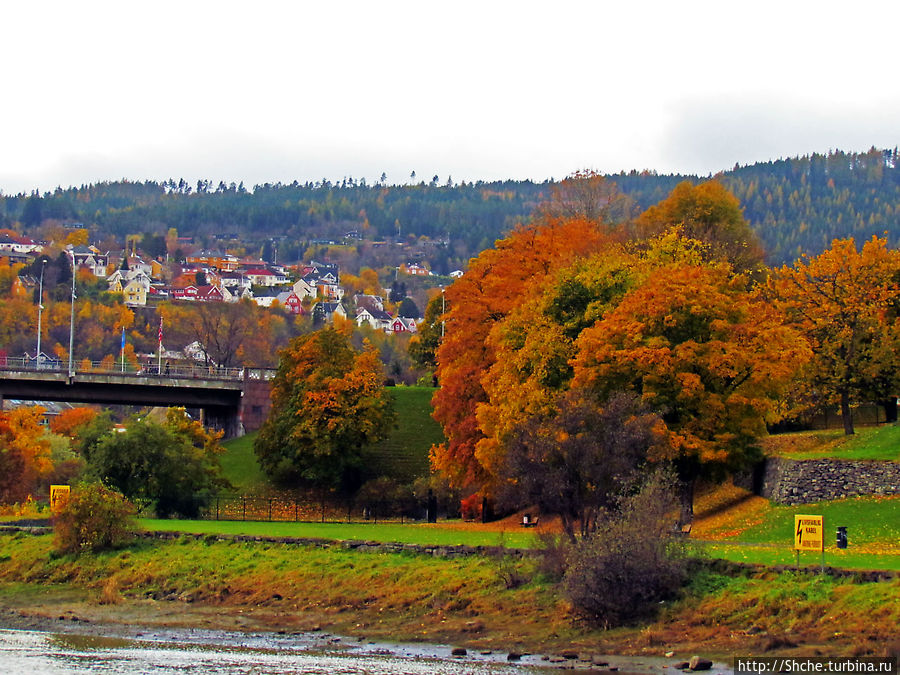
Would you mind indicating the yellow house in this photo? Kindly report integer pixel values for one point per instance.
(135, 293)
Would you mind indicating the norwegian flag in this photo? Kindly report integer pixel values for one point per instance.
(160, 330)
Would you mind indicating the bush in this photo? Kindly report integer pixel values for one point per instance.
(631, 562)
(93, 519)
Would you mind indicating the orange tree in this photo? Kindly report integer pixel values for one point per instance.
(844, 302)
(483, 297)
(709, 213)
(699, 348)
(230, 333)
(328, 405)
(24, 453)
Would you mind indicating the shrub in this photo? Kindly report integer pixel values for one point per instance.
(471, 507)
(631, 562)
(93, 519)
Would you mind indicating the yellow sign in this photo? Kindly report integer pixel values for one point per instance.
(809, 533)
(59, 495)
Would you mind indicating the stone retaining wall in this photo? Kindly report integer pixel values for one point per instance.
(437, 551)
(789, 481)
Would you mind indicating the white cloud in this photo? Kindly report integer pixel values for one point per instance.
(283, 90)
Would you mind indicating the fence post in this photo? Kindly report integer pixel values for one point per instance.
(243, 507)
(217, 507)
(270, 509)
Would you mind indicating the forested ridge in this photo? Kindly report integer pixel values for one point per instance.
(797, 205)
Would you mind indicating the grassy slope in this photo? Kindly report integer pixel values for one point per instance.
(459, 601)
(734, 524)
(240, 467)
(868, 443)
(404, 455)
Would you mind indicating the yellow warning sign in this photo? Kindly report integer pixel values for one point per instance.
(59, 495)
(809, 533)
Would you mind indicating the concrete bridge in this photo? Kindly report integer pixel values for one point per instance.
(235, 400)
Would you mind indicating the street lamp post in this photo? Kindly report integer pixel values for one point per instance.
(72, 318)
(40, 309)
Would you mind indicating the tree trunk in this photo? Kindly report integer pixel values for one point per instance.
(687, 501)
(890, 409)
(846, 416)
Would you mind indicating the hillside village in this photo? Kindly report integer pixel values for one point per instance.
(311, 289)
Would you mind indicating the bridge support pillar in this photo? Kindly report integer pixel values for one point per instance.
(255, 404)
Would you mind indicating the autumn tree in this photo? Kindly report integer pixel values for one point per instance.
(328, 406)
(536, 342)
(575, 460)
(843, 301)
(707, 212)
(71, 420)
(230, 334)
(694, 344)
(24, 453)
(478, 301)
(587, 195)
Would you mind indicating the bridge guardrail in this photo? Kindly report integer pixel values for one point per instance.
(173, 371)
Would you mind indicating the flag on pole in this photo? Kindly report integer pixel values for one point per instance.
(123, 341)
(159, 351)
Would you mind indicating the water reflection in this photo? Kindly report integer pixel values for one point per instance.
(38, 653)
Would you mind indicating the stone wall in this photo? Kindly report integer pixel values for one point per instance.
(788, 481)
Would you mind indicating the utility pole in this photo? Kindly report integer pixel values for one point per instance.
(40, 309)
(72, 319)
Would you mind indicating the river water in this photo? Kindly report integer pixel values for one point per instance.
(184, 651)
(179, 651)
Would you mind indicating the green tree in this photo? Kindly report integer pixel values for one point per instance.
(328, 405)
(424, 344)
(408, 309)
(173, 466)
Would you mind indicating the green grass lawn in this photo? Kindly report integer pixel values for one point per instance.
(413, 533)
(868, 443)
(404, 454)
(240, 467)
(783, 554)
(869, 520)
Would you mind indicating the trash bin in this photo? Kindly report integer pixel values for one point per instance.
(842, 537)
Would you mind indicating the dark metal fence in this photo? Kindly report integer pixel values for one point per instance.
(304, 509)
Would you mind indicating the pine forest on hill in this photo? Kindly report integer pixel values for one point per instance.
(797, 205)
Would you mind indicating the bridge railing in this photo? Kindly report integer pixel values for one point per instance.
(173, 371)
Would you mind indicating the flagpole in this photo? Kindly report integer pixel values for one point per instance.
(159, 350)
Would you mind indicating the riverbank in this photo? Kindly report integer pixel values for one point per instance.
(498, 604)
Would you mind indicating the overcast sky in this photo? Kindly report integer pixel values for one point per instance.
(277, 91)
